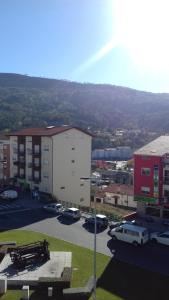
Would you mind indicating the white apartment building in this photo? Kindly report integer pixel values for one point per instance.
(53, 159)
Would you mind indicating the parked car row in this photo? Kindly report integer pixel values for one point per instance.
(75, 214)
(138, 235)
(57, 208)
(127, 231)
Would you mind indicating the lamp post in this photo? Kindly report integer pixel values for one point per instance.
(95, 243)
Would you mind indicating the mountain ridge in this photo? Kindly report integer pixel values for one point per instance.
(27, 101)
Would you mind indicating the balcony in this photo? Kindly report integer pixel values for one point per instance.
(36, 153)
(36, 165)
(22, 176)
(15, 150)
(164, 200)
(36, 180)
(166, 181)
(21, 151)
(21, 163)
(166, 161)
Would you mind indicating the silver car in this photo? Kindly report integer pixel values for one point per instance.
(160, 237)
(53, 208)
(72, 213)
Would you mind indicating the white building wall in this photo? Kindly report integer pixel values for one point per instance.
(71, 161)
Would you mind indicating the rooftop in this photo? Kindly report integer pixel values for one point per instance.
(115, 188)
(45, 131)
(158, 147)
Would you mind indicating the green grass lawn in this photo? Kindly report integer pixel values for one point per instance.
(117, 280)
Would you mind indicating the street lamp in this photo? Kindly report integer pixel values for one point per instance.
(94, 248)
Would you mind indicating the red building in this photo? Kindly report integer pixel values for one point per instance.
(151, 178)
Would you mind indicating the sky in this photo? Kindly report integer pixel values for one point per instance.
(120, 42)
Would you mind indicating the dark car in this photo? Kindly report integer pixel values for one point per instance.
(101, 221)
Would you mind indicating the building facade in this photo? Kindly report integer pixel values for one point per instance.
(119, 153)
(53, 160)
(4, 159)
(151, 178)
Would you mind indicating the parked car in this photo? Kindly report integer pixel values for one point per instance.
(101, 220)
(9, 195)
(114, 224)
(72, 213)
(53, 208)
(160, 237)
(131, 234)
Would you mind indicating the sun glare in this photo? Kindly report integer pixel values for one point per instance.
(96, 57)
(142, 28)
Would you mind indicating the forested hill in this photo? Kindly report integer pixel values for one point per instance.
(35, 101)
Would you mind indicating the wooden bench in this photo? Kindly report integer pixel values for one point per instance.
(80, 292)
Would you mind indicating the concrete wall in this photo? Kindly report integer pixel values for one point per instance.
(71, 161)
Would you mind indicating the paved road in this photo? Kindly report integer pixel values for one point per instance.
(152, 257)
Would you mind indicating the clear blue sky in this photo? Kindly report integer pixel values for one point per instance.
(102, 41)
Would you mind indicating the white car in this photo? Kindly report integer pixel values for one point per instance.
(54, 207)
(160, 237)
(72, 213)
(9, 195)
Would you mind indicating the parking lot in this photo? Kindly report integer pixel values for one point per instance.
(149, 256)
(27, 213)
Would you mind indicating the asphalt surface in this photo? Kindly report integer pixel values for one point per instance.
(149, 256)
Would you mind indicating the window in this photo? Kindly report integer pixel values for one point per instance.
(131, 232)
(144, 157)
(166, 177)
(166, 193)
(45, 175)
(21, 147)
(166, 213)
(36, 174)
(145, 171)
(62, 188)
(153, 211)
(37, 149)
(29, 139)
(45, 162)
(21, 171)
(82, 184)
(145, 190)
(73, 161)
(119, 230)
(73, 148)
(46, 148)
(36, 162)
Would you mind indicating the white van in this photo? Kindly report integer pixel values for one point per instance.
(133, 234)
